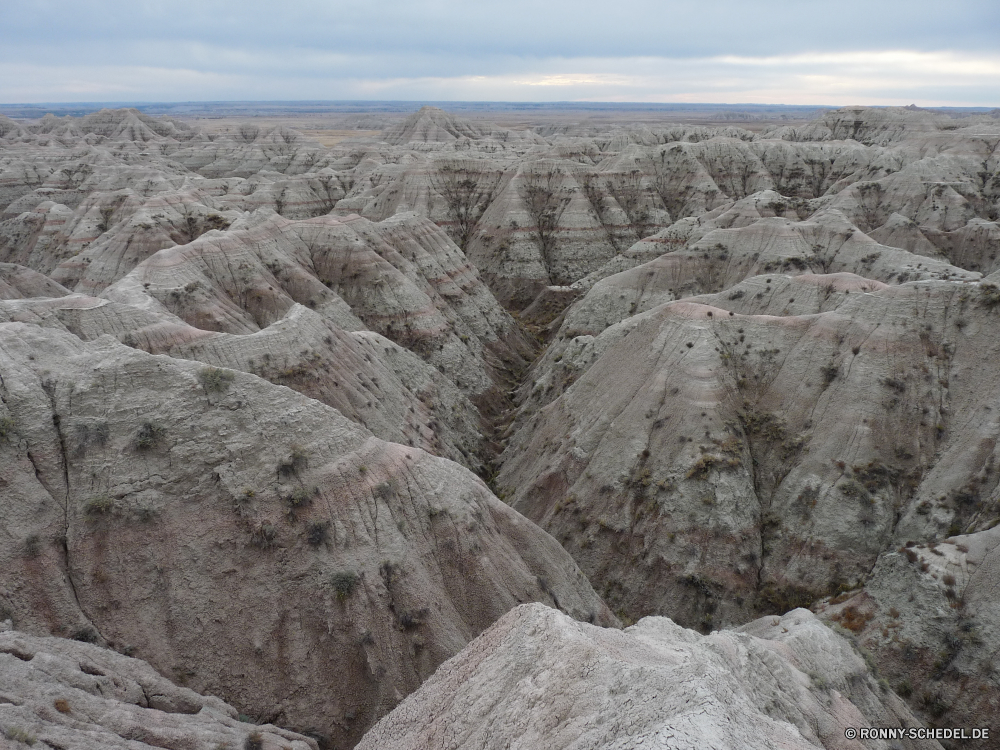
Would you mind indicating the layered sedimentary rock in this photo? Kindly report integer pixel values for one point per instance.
(763, 444)
(64, 693)
(352, 566)
(929, 614)
(538, 679)
(766, 360)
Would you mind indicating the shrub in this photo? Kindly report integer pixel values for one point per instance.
(782, 599)
(852, 618)
(6, 426)
(19, 735)
(214, 380)
(254, 741)
(989, 295)
(704, 465)
(241, 503)
(819, 681)
(263, 534)
(344, 582)
(99, 505)
(297, 459)
(854, 489)
(62, 705)
(145, 514)
(85, 635)
(299, 497)
(32, 546)
(148, 436)
(299, 456)
(894, 384)
(412, 620)
(316, 533)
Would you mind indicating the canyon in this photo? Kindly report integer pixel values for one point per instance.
(460, 431)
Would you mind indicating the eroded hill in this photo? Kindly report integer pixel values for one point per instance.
(244, 377)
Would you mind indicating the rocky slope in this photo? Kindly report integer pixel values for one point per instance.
(61, 693)
(353, 566)
(538, 679)
(764, 444)
(765, 366)
(929, 615)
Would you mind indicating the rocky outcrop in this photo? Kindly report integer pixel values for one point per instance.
(929, 614)
(17, 282)
(352, 566)
(63, 693)
(432, 125)
(766, 361)
(538, 679)
(402, 278)
(752, 457)
(366, 377)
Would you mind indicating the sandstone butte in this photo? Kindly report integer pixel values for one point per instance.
(383, 445)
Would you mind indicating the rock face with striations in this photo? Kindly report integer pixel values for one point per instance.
(929, 614)
(64, 693)
(352, 566)
(765, 381)
(538, 679)
(765, 445)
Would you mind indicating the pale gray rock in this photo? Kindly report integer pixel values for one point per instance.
(60, 693)
(246, 539)
(763, 448)
(929, 613)
(432, 125)
(834, 402)
(17, 282)
(538, 679)
(368, 378)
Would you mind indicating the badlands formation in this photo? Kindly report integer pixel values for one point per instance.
(436, 414)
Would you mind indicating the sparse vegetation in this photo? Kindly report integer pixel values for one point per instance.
(628, 191)
(17, 734)
(297, 459)
(317, 532)
(86, 634)
(215, 380)
(545, 201)
(853, 618)
(263, 534)
(150, 435)
(32, 546)
(344, 582)
(300, 497)
(468, 190)
(989, 296)
(98, 505)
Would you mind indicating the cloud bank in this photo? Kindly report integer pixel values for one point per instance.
(792, 52)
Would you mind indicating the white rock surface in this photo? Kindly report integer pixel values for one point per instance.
(58, 693)
(536, 679)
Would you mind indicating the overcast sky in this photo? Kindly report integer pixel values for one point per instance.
(789, 52)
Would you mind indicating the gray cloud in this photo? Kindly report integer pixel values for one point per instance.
(392, 49)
